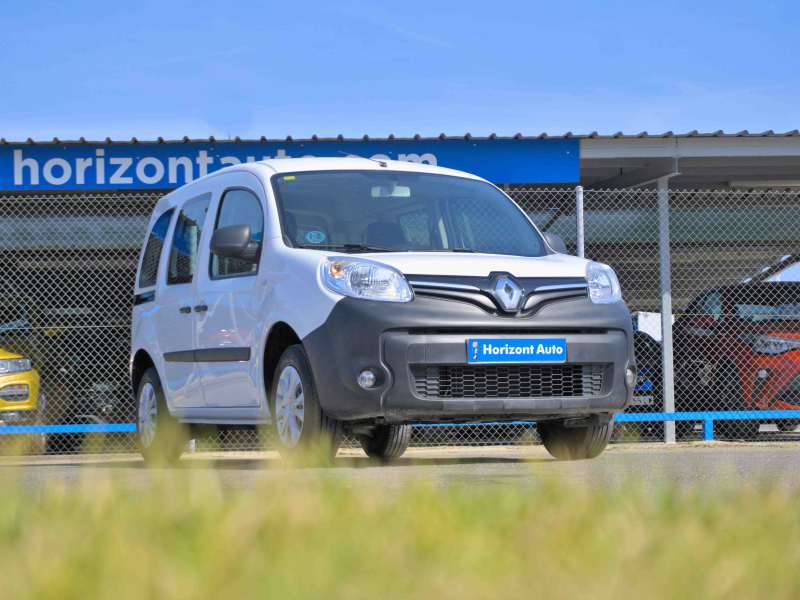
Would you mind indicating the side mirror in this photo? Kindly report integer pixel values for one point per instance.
(234, 242)
(555, 242)
(705, 321)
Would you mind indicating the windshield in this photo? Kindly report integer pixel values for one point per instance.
(372, 211)
(12, 318)
(767, 303)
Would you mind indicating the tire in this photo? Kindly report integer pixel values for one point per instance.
(387, 442)
(298, 421)
(729, 390)
(574, 443)
(63, 443)
(684, 429)
(787, 425)
(619, 433)
(161, 438)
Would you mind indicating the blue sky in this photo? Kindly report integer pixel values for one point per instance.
(149, 69)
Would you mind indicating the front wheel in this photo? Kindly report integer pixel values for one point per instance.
(730, 393)
(161, 437)
(574, 443)
(387, 441)
(787, 425)
(299, 424)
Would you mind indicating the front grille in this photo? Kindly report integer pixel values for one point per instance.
(507, 381)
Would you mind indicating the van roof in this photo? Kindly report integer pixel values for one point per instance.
(346, 163)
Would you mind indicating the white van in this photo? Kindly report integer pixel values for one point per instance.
(328, 295)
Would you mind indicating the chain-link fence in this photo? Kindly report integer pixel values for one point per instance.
(736, 309)
(67, 267)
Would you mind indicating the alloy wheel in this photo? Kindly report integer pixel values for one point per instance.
(148, 414)
(290, 407)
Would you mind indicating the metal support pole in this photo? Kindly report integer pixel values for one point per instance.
(667, 373)
(579, 218)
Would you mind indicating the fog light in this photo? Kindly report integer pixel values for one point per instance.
(762, 373)
(14, 393)
(366, 379)
(630, 376)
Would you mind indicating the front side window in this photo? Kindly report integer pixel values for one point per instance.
(239, 207)
(186, 240)
(712, 305)
(372, 211)
(152, 251)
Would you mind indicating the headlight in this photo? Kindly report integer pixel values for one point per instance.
(770, 344)
(15, 365)
(365, 279)
(603, 284)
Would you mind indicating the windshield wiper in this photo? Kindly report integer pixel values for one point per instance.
(350, 247)
(470, 250)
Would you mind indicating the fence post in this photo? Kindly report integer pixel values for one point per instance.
(579, 218)
(667, 376)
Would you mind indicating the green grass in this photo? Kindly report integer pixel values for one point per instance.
(322, 540)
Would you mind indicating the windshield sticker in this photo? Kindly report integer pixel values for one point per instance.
(315, 237)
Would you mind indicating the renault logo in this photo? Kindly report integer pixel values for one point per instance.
(508, 294)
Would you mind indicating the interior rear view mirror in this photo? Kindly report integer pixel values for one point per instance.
(391, 191)
(234, 242)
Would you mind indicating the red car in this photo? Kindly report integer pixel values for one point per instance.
(738, 348)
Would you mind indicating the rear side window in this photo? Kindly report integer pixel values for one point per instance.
(238, 207)
(415, 227)
(491, 227)
(186, 240)
(152, 251)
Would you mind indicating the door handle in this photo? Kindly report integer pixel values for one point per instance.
(201, 308)
(185, 310)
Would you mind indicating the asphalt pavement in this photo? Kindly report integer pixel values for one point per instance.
(715, 466)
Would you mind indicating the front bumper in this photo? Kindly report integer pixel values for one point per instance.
(19, 417)
(396, 340)
(26, 410)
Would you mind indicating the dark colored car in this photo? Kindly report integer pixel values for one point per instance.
(87, 382)
(648, 394)
(737, 348)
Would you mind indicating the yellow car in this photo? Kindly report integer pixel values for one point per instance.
(19, 390)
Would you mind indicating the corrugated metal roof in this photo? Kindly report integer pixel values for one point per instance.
(366, 138)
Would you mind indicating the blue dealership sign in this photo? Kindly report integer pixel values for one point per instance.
(163, 166)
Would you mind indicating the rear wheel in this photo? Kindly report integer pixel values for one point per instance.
(299, 424)
(684, 429)
(162, 439)
(574, 443)
(729, 393)
(387, 441)
(787, 425)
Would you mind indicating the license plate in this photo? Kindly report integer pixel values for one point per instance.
(642, 401)
(551, 350)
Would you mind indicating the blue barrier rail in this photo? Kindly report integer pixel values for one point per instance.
(707, 418)
(109, 428)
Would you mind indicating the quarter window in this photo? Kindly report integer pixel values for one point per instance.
(152, 251)
(186, 240)
(238, 207)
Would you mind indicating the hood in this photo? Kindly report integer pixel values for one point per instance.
(479, 265)
(787, 329)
